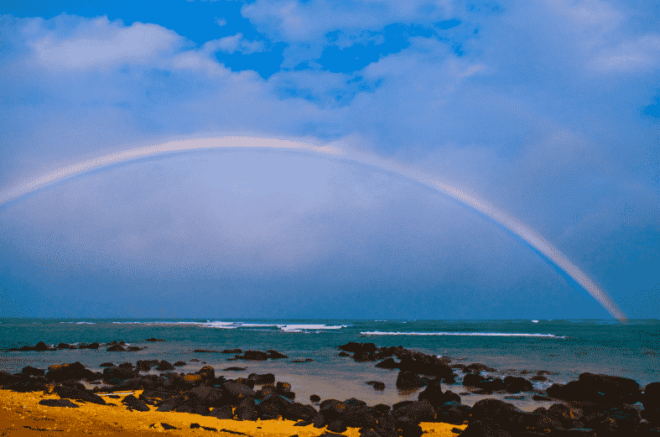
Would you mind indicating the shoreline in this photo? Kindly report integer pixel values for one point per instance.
(135, 399)
(21, 414)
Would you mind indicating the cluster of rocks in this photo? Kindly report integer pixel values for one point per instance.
(113, 346)
(594, 405)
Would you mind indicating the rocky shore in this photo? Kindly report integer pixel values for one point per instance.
(593, 405)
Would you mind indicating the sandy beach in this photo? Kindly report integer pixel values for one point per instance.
(21, 414)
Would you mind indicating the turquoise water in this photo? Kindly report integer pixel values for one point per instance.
(566, 347)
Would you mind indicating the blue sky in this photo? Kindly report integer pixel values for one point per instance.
(549, 110)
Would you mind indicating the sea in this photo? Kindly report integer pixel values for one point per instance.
(564, 348)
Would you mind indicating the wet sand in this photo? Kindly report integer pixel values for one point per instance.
(21, 414)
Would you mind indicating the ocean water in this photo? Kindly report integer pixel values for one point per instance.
(564, 347)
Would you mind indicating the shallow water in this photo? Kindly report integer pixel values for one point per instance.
(565, 347)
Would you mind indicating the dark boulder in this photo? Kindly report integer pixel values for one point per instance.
(152, 339)
(336, 426)
(116, 375)
(473, 380)
(477, 368)
(315, 398)
(78, 395)
(133, 403)
(388, 363)
(179, 364)
(296, 411)
(247, 410)
(145, 365)
(231, 351)
(253, 356)
(116, 348)
(77, 371)
(266, 378)
(32, 371)
(417, 411)
(275, 355)
(93, 346)
(359, 348)
(406, 427)
(602, 389)
(484, 428)
(106, 365)
(651, 396)
(273, 406)
(513, 384)
(332, 409)
(238, 391)
(164, 366)
(22, 383)
(344, 354)
(207, 372)
(407, 380)
(222, 412)
(506, 415)
(58, 403)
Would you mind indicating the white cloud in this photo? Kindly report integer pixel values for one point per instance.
(100, 44)
(221, 22)
(234, 43)
(630, 57)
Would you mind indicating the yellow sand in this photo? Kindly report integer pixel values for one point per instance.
(21, 414)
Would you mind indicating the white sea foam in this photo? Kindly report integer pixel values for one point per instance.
(301, 328)
(466, 334)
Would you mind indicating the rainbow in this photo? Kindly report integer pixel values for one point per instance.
(9, 194)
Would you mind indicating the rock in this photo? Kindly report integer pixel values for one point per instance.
(64, 346)
(207, 372)
(238, 390)
(93, 346)
(179, 364)
(473, 380)
(602, 389)
(388, 363)
(506, 415)
(477, 367)
(358, 348)
(378, 386)
(58, 403)
(275, 355)
(32, 371)
(417, 411)
(132, 403)
(266, 378)
(152, 339)
(253, 356)
(116, 375)
(514, 384)
(235, 369)
(77, 371)
(107, 365)
(247, 410)
(344, 354)
(22, 383)
(77, 394)
(331, 434)
(315, 398)
(205, 351)
(39, 347)
(408, 381)
(295, 411)
(408, 428)
(273, 406)
(651, 396)
(484, 428)
(332, 409)
(116, 348)
(222, 412)
(164, 366)
(246, 381)
(336, 426)
(167, 426)
(232, 351)
(145, 366)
